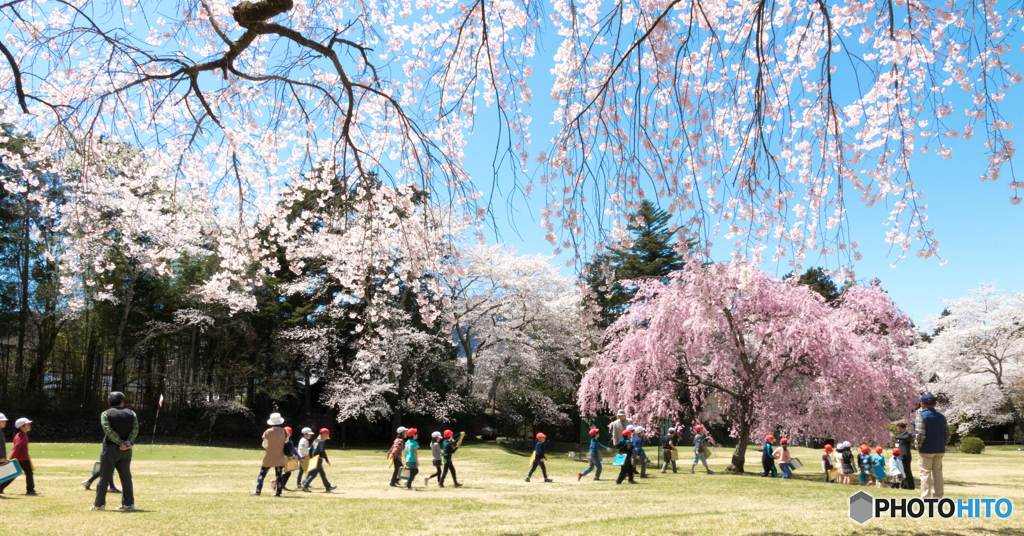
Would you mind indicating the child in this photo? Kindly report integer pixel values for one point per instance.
(826, 462)
(767, 460)
(20, 453)
(289, 450)
(626, 449)
(435, 457)
(638, 450)
(319, 450)
(668, 445)
(412, 449)
(88, 482)
(896, 468)
(782, 454)
(450, 446)
(304, 444)
(539, 459)
(594, 457)
(866, 465)
(879, 462)
(698, 450)
(847, 458)
(395, 454)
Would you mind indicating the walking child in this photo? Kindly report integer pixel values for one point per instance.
(435, 457)
(593, 456)
(879, 465)
(668, 446)
(412, 456)
(88, 482)
(449, 448)
(539, 458)
(290, 450)
(784, 457)
(896, 474)
(826, 462)
(318, 450)
(304, 444)
(638, 450)
(626, 450)
(395, 454)
(698, 450)
(767, 460)
(20, 453)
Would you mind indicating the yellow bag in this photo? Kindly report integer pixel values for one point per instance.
(675, 455)
(291, 464)
(708, 451)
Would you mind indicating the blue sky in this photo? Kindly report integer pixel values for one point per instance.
(978, 229)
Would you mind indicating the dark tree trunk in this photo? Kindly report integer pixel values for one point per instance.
(739, 455)
(23, 272)
(117, 373)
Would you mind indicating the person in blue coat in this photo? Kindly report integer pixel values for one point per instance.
(638, 450)
(931, 436)
(767, 460)
(626, 450)
(539, 459)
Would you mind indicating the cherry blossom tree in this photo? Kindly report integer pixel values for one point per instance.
(517, 321)
(770, 354)
(976, 358)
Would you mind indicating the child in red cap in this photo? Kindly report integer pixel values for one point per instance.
(289, 450)
(826, 462)
(626, 448)
(896, 468)
(539, 459)
(594, 456)
(319, 450)
(448, 449)
(412, 448)
(866, 465)
(782, 454)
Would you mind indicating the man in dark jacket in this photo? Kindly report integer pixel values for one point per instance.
(931, 436)
(120, 425)
(904, 442)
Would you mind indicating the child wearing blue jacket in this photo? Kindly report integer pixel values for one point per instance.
(539, 459)
(879, 463)
(626, 450)
(866, 465)
(594, 456)
(767, 460)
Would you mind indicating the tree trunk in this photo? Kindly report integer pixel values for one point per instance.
(739, 455)
(117, 374)
(23, 272)
(306, 397)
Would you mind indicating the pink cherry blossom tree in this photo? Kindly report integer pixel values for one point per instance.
(768, 355)
(976, 359)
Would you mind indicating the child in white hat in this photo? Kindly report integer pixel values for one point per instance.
(435, 457)
(20, 453)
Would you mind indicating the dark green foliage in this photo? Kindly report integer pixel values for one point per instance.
(652, 255)
(972, 445)
(816, 279)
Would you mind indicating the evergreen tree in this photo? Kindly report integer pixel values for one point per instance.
(652, 255)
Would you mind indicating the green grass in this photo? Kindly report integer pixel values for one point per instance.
(204, 491)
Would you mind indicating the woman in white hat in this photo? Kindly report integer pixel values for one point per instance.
(274, 440)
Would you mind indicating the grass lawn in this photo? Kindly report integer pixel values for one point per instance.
(204, 491)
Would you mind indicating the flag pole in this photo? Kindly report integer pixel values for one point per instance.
(152, 439)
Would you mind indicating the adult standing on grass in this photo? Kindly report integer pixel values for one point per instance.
(904, 440)
(395, 454)
(120, 426)
(274, 439)
(931, 439)
(619, 425)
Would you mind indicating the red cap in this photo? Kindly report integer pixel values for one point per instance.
(828, 448)
(769, 437)
(699, 428)
(288, 429)
(540, 435)
(878, 450)
(447, 433)
(627, 433)
(411, 432)
(864, 449)
(594, 432)
(324, 431)
(784, 441)
(895, 452)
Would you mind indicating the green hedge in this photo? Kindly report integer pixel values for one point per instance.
(972, 445)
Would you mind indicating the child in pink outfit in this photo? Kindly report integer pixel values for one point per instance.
(782, 454)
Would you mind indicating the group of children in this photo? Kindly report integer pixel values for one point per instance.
(406, 448)
(838, 465)
(19, 453)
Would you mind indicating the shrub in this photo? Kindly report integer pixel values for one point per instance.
(972, 445)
